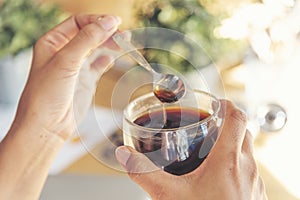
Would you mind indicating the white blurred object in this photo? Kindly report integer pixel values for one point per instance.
(270, 27)
(271, 91)
(14, 71)
(271, 78)
(207, 79)
(271, 117)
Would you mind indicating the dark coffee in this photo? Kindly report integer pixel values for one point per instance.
(160, 152)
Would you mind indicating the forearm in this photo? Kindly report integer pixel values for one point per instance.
(26, 154)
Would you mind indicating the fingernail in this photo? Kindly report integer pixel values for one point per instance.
(109, 22)
(123, 154)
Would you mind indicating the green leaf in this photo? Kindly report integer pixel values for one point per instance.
(22, 22)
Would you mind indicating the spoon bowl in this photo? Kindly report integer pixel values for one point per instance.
(167, 88)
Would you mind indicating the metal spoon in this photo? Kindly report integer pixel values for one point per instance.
(167, 88)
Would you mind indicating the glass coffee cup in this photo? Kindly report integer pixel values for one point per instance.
(176, 137)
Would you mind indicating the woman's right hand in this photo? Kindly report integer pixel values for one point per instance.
(228, 172)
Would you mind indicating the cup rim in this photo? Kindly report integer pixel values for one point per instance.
(205, 120)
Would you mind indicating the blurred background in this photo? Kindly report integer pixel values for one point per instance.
(252, 45)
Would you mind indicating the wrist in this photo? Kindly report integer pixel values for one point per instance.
(26, 155)
(33, 133)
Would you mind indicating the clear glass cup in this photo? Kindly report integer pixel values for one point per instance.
(178, 136)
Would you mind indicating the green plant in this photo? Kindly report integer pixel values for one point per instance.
(192, 19)
(22, 22)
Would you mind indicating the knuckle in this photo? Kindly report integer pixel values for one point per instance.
(48, 41)
(238, 115)
(43, 42)
(226, 104)
(230, 110)
(80, 17)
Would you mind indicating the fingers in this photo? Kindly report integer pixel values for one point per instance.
(59, 36)
(71, 56)
(73, 40)
(141, 170)
(233, 130)
(101, 61)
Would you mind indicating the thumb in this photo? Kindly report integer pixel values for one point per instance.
(85, 41)
(141, 170)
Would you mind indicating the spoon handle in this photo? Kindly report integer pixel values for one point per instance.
(132, 52)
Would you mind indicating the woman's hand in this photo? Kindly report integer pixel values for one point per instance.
(228, 172)
(56, 91)
(47, 110)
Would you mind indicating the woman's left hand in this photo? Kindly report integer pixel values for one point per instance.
(61, 83)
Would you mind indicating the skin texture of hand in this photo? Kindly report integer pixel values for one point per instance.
(58, 59)
(59, 89)
(229, 172)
